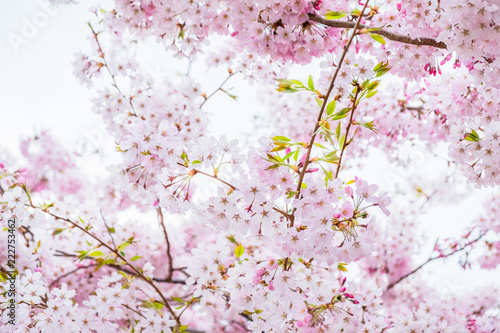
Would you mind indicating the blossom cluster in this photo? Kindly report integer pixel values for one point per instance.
(191, 231)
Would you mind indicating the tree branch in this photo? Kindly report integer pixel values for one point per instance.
(424, 41)
(59, 278)
(118, 268)
(170, 261)
(216, 90)
(118, 255)
(323, 106)
(391, 285)
(347, 132)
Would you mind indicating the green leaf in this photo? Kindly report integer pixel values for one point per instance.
(273, 158)
(472, 136)
(381, 68)
(373, 85)
(341, 114)
(278, 148)
(319, 101)
(330, 107)
(134, 258)
(369, 125)
(337, 131)
(178, 300)
(341, 267)
(123, 274)
(287, 156)
(296, 155)
(289, 86)
(310, 83)
(378, 38)
(331, 15)
(232, 239)
(96, 254)
(57, 231)
(383, 71)
(331, 157)
(341, 142)
(274, 166)
(122, 246)
(371, 93)
(182, 328)
(280, 138)
(238, 252)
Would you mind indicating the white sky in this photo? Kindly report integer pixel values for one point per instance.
(38, 91)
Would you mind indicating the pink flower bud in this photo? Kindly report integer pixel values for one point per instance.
(303, 159)
(271, 286)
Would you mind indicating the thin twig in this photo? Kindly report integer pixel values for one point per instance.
(424, 41)
(219, 88)
(107, 228)
(118, 255)
(347, 132)
(59, 278)
(195, 171)
(391, 285)
(105, 64)
(120, 268)
(170, 261)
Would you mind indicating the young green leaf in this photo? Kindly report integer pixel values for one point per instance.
(319, 101)
(330, 108)
(378, 38)
(238, 252)
(310, 83)
(472, 136)
(331, 15)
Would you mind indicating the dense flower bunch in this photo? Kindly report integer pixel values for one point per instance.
(192, 232)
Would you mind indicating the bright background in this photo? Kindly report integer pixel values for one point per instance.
(39, 91)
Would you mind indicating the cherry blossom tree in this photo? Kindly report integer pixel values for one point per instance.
(284, 241)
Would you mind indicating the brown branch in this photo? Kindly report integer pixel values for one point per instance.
(120, 268)
(391, 285)
(59, 278)
(323, 106)
(424, 41)
(118, 255)
(195, 171)
(170, 261)
(346, 143)
(107, 228)
(105, 65)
